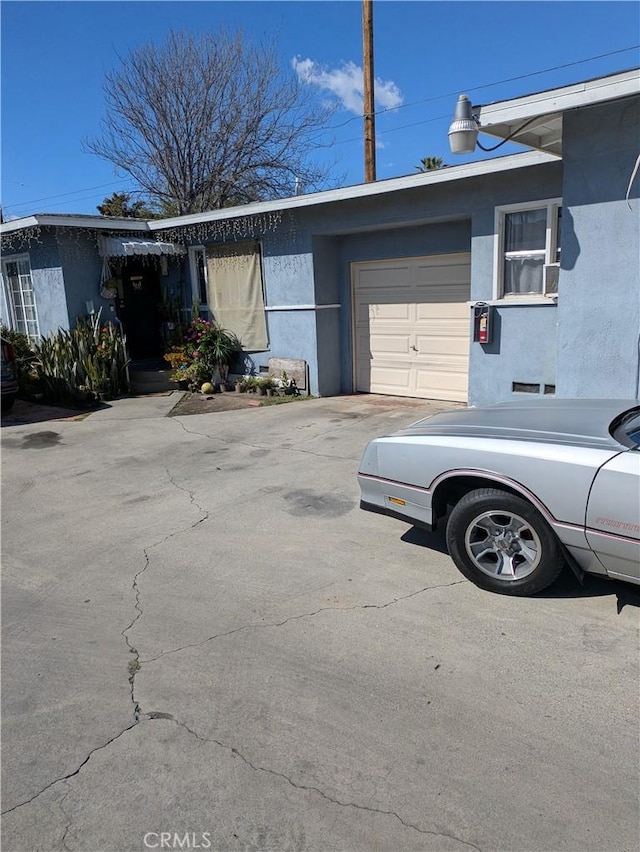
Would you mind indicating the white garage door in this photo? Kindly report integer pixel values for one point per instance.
(412, 326)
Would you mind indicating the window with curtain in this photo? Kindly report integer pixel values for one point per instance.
(528, 246)
(21, 300)
(235, 292)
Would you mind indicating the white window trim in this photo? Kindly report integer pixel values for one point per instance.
(193, 274)
(8, 296)
(552, 206)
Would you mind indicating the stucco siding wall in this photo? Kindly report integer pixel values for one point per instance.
(522, 351)
(599, 289)
(292, 334)
(329, 332)
(82, 268)
(523, 348)
(287, 260)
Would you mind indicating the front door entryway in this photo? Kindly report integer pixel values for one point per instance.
(139, 309)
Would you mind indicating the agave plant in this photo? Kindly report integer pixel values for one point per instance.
(90, 359)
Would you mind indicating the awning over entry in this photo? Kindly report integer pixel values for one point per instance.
(130, 246)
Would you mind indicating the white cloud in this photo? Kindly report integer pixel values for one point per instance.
(346, 84)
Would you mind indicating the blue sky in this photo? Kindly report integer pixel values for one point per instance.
(54, 56)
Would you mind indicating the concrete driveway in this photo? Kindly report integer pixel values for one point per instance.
(207, 645)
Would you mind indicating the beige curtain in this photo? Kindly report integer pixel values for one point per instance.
(234, 290)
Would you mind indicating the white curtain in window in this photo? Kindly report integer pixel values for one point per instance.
(525, 236)
(525, 230)
(523, 274)
(234, 292)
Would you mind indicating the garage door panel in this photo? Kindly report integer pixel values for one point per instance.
(412, 327)
(375, 278)
(456, 295)
(385, 378)
(449, 386)
(433, 275)
(390, 343)
(428, 312)
(389, 312)
(443, 347)
(453, 362)
(395, 296)
(436, 338)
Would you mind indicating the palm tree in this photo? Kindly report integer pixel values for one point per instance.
(430, 164)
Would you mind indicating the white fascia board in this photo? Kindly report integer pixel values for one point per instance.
(364, 190)
(71, 221)
(18, 224)
(559, 100)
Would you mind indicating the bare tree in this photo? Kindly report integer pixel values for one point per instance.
(201, 123)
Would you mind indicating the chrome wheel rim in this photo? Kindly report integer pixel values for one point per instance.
(503, 545)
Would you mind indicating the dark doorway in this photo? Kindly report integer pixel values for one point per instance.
(139, 309)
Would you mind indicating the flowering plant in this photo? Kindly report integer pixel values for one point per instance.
(178, 357)
(207, 348)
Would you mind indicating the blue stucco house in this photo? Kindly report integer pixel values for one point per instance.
(474, 283)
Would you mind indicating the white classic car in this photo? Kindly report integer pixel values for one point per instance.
(525, 488)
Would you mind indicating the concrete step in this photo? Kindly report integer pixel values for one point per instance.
(151, 381)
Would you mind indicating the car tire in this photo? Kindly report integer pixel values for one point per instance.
(7, 403)
(502, 543)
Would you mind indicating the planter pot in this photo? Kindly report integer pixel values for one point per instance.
(240, 388)
(183, 384)
(271, 392)
(261, 391)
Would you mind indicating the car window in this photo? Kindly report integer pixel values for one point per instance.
(627, 431)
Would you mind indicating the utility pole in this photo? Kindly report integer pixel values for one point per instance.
(369, 112)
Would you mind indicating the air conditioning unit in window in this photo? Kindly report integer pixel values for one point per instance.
(551, 273)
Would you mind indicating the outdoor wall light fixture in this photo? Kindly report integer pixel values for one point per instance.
(463, 130)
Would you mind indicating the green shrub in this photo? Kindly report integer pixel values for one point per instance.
(86, 363)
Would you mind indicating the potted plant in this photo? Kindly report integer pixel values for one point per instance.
(214, 347)
(265, 386)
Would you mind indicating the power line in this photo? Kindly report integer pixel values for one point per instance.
(394, 129)
(66, 194)
(487, 85)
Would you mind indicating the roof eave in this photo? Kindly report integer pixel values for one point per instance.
(543, 112)
(101, 223)
(365, 190)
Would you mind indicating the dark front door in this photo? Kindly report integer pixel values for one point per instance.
(139, 309)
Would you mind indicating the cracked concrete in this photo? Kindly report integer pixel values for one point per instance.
(258, 626)
(295, 674)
